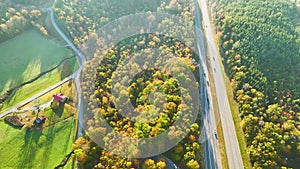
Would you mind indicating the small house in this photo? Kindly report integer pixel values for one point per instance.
(60, 97)
(40, 120)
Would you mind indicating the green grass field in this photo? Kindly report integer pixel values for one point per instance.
(35, 61)
(27, 55)
(68, 89)
(21, 148)
(39, 85)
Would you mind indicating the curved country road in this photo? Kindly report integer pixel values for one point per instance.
(75, 76)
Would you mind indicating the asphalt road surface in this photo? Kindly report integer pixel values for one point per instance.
(76, 74)
(231, 142)
(209, 140)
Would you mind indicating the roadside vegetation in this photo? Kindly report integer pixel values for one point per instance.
(259, 44)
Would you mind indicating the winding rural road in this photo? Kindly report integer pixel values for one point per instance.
(231, 142)
(75, 75)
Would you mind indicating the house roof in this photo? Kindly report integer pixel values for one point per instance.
(40, 119)
(59, 97)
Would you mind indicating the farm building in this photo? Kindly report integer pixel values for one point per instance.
(60, 97)
(40, 120)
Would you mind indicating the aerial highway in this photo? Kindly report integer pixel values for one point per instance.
(231, 142)
(208, 136)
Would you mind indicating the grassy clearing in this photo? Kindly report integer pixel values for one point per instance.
(68, 89)
(39, 85)
(45, 148)
(22, 148)
(30, 90)
(27, 55)
(64, 111)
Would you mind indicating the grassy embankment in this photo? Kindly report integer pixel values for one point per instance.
(234, 107)
(46, 148)
(22, 148)
(26, 56)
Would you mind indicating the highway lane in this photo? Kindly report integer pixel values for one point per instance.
(231, 142)
(212, 155)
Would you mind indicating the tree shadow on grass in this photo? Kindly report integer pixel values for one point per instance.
(48, 147)
(29, 148)
(11, 125)
(58, 110)
(65, 148)
(11, 83)
(49, 143)
(11, 98)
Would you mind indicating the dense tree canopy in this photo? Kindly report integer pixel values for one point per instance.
(259, 41)
(164, 109)
(154, 93)
(14, 21)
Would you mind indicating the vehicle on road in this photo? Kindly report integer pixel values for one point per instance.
(216, 135)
